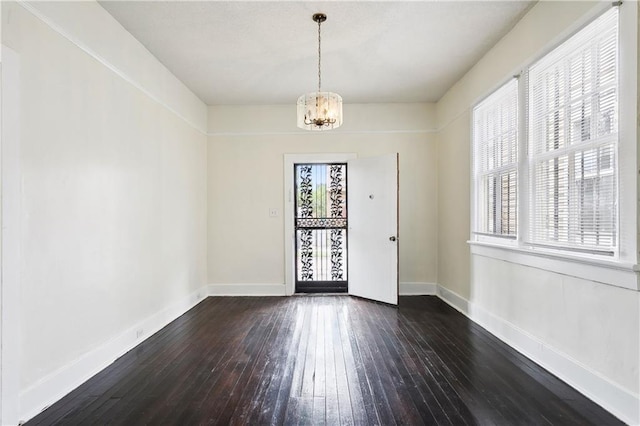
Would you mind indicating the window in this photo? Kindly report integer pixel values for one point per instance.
(573, 137)
(570, 172)
(495, 161)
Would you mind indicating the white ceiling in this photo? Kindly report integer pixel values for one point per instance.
(264, 52)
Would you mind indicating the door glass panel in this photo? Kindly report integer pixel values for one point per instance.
(321, 227)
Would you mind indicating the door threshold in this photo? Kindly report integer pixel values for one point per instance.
(321, 294)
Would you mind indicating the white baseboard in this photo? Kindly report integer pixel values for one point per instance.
(246, 289)
(418, 289)
(618, 401)
(406, 289)
(56, 385)
(454, 299)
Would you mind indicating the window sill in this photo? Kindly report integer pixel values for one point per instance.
(610, 272)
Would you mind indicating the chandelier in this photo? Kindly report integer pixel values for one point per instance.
(319, 110)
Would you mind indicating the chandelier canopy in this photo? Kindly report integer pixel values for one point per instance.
(319, 110)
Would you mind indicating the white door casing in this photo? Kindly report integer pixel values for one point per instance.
(11, 195)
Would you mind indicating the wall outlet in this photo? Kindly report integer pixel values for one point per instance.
(273, 213)
(139, 333)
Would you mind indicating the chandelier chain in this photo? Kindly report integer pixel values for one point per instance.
(319, 58)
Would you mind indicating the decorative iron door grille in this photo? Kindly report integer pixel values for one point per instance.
(321, 227)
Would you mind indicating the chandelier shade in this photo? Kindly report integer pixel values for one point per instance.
(319, 110)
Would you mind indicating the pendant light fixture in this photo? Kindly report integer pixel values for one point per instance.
(319, 110)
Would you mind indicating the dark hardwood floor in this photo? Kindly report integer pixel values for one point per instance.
(323, 359)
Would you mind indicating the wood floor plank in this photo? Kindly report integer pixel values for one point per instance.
(339, 374)
(379, 382)
(265, 371)
(411, 370)
(253, 373)
(323, 359)
(307, 386)
(362, 405)
(332, 409)
(278, 397)
(319, 375)
(300, 360)
(234, 375)
(395, 388)
(222, 345)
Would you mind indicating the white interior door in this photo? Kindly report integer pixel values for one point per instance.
(373, 228)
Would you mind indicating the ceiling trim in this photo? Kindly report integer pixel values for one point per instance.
(342, 132)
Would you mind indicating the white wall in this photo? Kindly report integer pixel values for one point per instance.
(246, 153)
(113, 161)
(586, 332)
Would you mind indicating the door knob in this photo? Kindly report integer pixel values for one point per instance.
(392, 238)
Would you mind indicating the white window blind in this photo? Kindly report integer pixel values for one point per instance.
(495, 162)
(573, 137)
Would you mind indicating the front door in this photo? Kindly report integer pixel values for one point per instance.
(320, 216)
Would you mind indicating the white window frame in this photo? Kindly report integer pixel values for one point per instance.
(479, 234)
(622, 268)
(557, 224)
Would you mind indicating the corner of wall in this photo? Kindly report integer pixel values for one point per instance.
(110, 44)
(620, 402)
(59, 383)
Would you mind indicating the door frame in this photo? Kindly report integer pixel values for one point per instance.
(10, 236)
(289, 234)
